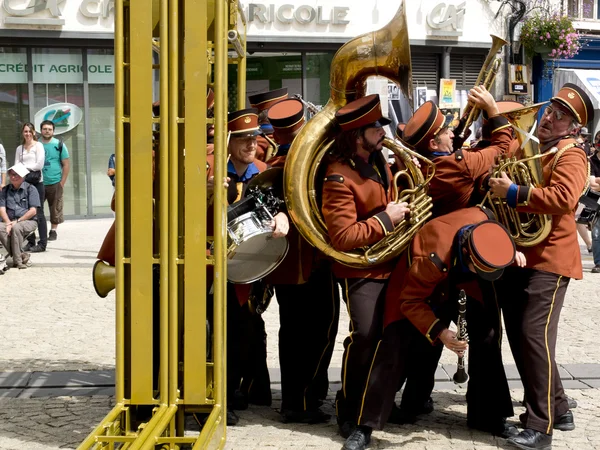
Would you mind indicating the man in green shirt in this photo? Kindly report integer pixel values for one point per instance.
(56, 170)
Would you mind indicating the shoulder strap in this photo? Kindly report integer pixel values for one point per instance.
(564, 149)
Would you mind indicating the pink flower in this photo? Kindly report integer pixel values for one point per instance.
(547, 35)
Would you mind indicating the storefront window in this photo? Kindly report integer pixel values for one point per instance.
(14, 101)
(273, 71)
(102, 126)
(58, 96)
(317, 78)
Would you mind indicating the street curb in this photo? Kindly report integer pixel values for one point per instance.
(102, 382)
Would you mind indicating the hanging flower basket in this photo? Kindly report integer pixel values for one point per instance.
(550, 36)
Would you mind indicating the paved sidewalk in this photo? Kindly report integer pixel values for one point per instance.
(57, 338)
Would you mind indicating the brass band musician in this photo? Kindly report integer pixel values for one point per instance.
(532, 298)
(358, 211)
(307, 294)
(419, 305)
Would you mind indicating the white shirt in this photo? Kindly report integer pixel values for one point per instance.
(33, 159)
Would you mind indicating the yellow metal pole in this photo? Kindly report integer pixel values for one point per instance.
(138, 226)
(159, 428)
(119, 207)
(173, 203)
(164, 210)
(220, 219)
(196, 71)
(151, 430)
(99, 430)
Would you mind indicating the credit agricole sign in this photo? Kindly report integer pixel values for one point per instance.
(48, 12)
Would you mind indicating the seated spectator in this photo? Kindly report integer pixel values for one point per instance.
(18, 208)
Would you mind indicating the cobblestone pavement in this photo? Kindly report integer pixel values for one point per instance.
(53, 321)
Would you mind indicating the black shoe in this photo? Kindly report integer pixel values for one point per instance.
(27, 247)
(596, 269)
(239, 401)
(427, 407)
(531, 439)
(566, 422)
(346, 428)
(498, 428)
(37, 249)
(359, 439)
(572, 402)
(232, 418)
(401, 416)
(52, 235)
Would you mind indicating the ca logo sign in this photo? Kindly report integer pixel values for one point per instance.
(447, 16)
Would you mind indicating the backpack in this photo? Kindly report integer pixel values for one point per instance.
(60, 149)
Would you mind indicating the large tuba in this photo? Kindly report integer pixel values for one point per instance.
(526, 229)
(385, 52)
(486, 78)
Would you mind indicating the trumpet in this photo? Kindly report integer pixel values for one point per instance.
(486, 78)
(311, 107)
(461, 376)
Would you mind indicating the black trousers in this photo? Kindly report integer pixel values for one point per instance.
(365, 302)
(488, 393)
(40, 218)
(404, 353)
(247, 370)
(532, 301)
(308, 324)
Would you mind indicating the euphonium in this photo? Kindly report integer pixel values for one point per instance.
(385, 52)
(486, 78)
(526, 229)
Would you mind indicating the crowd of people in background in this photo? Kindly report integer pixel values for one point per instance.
(40, 171)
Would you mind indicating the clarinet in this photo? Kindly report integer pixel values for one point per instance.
(461, 376)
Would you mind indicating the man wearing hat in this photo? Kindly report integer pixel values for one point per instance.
(358, 210)
(247, 373)
(18, 203)
(455, 172)
(308, 299)
(532, 298)
(262, 102)
(421, 301)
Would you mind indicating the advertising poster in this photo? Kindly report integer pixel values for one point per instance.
(447, 89)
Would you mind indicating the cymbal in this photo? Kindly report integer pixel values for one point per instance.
(270, 178)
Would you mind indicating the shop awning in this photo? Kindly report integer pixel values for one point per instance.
(589, 80)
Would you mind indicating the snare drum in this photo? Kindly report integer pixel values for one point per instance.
(252, 252)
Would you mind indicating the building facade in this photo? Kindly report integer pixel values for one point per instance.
(56, 62)
(292, 42)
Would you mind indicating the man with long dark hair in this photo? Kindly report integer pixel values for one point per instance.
(358, 210)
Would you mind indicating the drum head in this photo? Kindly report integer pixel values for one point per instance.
(255, 258)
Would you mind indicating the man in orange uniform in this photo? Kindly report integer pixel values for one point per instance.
(455, 172)
(532, 298)
(307, 295)
(246, 335)
(420, 303)
(262, 102)
(358, 210)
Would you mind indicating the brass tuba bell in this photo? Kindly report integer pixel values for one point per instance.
(103, 277)
(386, 53)
(527, 229)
